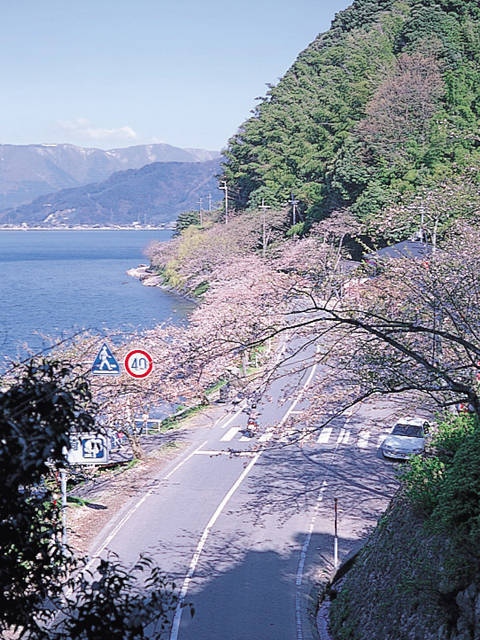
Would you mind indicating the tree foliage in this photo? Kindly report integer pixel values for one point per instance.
(47, 593)
(383, 104)
(38, 411)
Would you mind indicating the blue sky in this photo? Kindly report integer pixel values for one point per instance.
(115, 73)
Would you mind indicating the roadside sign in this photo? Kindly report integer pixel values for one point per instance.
(138, 363)
(88, 448)
(105, 363)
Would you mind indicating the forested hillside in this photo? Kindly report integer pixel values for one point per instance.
(32, 170)
(154, 194)
(379, 115)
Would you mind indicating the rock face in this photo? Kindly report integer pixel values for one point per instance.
(144, 273)
(408, 584)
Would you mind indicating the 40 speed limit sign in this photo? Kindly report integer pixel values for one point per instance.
(138, 363)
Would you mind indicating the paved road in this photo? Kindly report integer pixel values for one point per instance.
(246, 525)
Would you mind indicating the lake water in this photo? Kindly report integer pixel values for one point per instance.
(55, 283)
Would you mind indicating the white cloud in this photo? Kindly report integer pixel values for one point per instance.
(83, 128)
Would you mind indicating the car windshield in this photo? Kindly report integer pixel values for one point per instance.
(409, 430)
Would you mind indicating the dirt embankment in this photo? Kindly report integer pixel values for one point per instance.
(407, 584)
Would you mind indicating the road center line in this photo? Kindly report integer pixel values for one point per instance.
(201, 544)
(137, 505)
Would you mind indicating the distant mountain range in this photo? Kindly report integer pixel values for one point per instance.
(152, 195)
(29, 171)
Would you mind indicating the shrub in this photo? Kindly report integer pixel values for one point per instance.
(458, 502)
(451, 433)
(422, 479)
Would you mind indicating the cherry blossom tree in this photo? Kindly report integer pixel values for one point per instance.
(412, 329)
(191, 261)
(431, 211)
(403, 105)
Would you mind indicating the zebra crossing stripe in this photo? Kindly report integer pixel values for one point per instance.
(231, 433)
(325, 434)
(363, 438)
(343, 436)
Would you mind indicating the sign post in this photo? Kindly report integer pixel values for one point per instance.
(105, 363)
(138, 363)
(88, 448)
(335, 537)
(63, 484)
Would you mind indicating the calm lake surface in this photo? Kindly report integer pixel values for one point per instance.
(58, 282)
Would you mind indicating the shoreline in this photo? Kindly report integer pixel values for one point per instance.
(166, 227)
(143, 273)
(148, 279)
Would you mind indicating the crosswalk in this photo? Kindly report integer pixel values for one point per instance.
(327, 436)
(232, 434)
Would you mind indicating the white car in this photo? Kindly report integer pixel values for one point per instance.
(406, 439)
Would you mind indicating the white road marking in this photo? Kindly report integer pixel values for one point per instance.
(363, 439)
(325, 434)
(196, 556)
(193, 564)
(231, 433)
(137, 505)
(230, 419)
(343, 436)
(301, 563)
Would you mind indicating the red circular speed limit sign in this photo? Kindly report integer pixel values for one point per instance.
(138, 363)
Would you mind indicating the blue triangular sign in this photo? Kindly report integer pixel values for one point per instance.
(105, 363)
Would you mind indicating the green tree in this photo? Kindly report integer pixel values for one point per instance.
(37, 411)
(46, 592)
(384, 103)
(185, 220)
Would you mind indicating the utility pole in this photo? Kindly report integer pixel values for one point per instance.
(263, 207)
(224, 187)
(294, 203)
(200, 212)
(63, 484)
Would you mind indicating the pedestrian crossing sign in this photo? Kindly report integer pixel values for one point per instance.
(105, 363)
